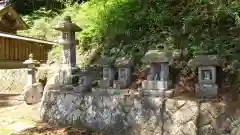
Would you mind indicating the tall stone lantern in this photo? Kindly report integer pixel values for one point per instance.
(68, 41)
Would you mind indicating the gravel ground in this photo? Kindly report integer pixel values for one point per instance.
(17, 118)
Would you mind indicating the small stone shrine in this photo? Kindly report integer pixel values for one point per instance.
(158, 82)
(123, 66)
(68, 65)
(207, 75)
(108, 73)
(84, 81)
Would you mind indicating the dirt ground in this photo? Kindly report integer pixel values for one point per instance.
(17, 118)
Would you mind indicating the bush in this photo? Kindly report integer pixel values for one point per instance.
(130, 28)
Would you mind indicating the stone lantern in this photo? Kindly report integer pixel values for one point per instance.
(207, 75)
(68, 41)
(32, 91)
(158, 81)
(31, 76)
(124, 66)
(108, 73)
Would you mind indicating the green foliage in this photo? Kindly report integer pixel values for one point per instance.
(131, 27)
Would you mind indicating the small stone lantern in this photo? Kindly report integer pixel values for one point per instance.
(32, 91)
(108, 73)
(207, 75)
(68, 41)
(158, 80)
(31, 76)
(124, 66)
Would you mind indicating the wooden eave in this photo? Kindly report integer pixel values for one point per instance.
(5, 35)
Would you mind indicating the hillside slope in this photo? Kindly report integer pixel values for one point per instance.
(123, 27)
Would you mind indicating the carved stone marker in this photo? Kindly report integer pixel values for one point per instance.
(124, 66)
(108, 73)
(68, 41)
(158, 81)
(33, 90)
(84, 82)
(207, 74)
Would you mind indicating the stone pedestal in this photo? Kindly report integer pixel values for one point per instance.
(118, 84)
(206, 90)
(105, 83)
(157, 88)
(156, 85)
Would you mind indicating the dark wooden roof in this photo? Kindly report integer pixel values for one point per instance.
(10, 13)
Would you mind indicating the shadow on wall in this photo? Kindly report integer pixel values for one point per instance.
(8, 100)
(43, 128)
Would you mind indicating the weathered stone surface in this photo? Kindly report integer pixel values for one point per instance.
(118, 114)
(217, 119)
(13, 79)
(33, 93)
(205, 60)
(136, 115)
(157, 56)
(180, 116)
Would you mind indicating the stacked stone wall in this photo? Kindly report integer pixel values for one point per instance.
(13, 80)
(119, 115)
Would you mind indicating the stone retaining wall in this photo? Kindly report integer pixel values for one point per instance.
(13, 80)
(123, 115)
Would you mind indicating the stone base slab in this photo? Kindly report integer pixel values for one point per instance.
(156, 85)
(206, 91)
(110, 91)
(105, 83)
(121, 84)
(158, 93)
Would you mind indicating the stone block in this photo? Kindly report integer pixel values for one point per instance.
(117, 84)
(105, 83)
(206, 90)
(158, 93)
(156, 85)
(120, 84)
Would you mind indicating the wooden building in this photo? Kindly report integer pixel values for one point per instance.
(15, 49)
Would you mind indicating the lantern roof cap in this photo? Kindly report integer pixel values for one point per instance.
(30, 60)
(205, 60)
(66, 25)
